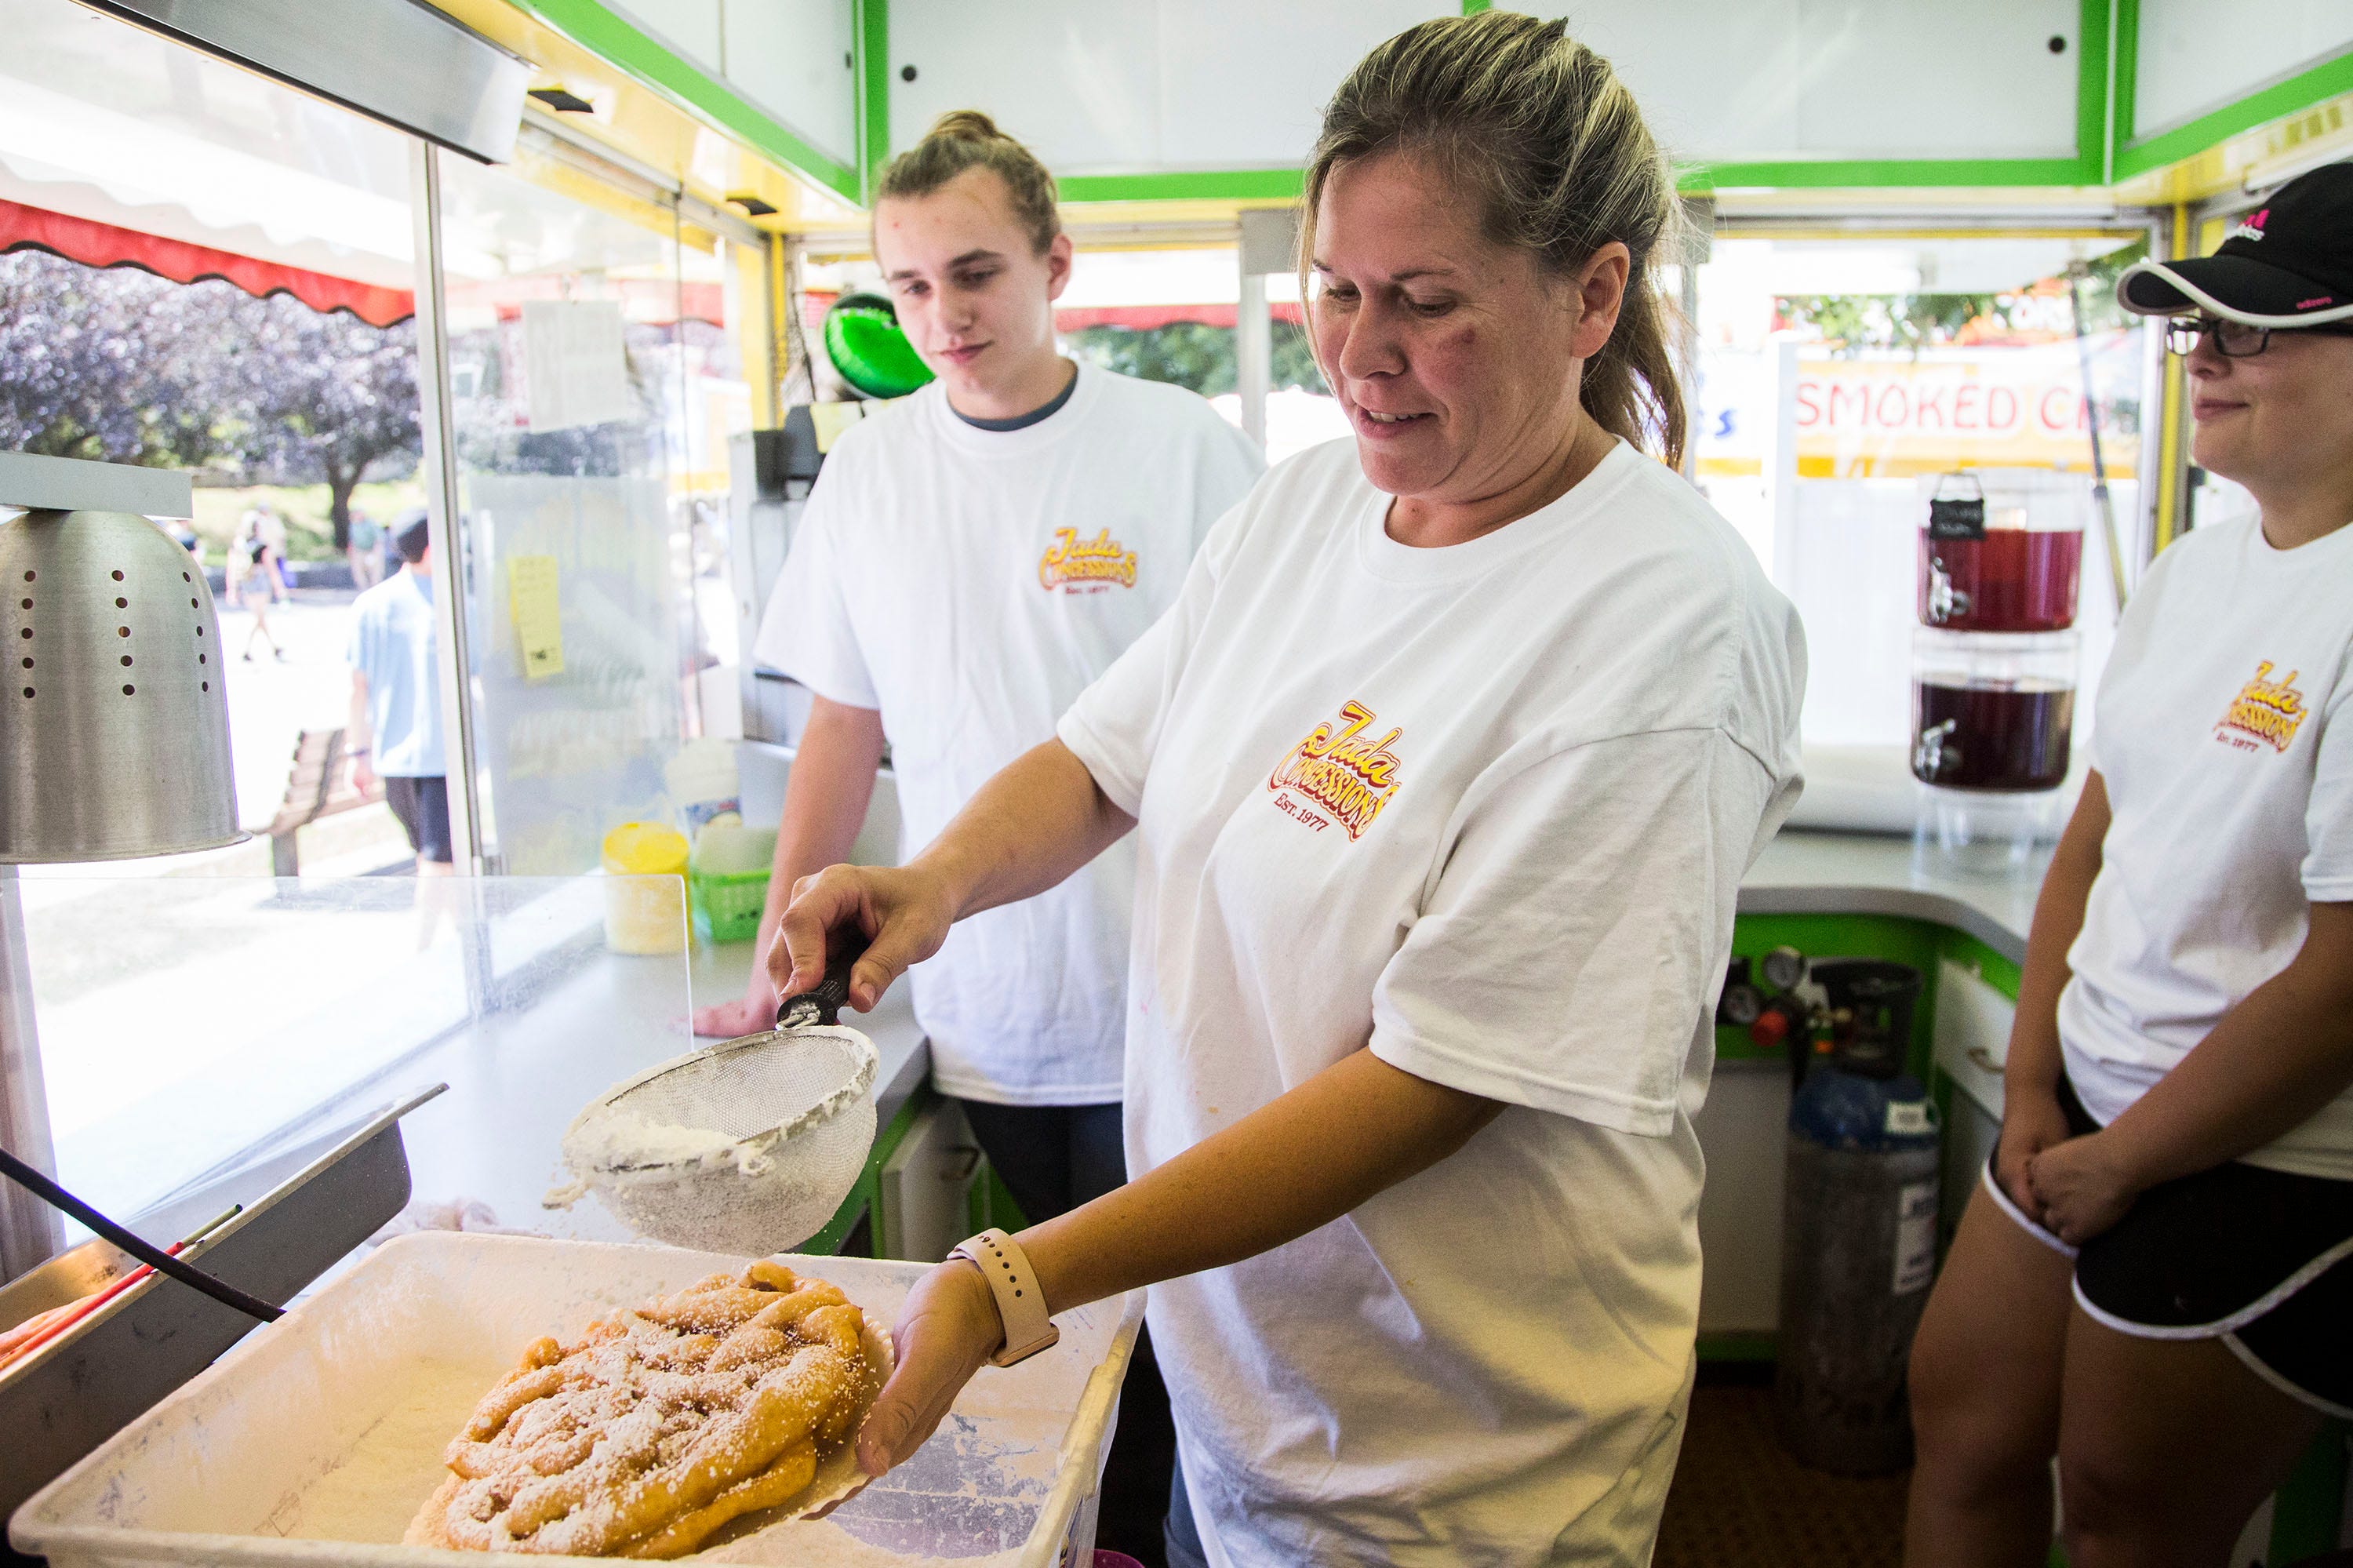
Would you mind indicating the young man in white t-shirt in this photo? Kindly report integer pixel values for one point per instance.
(972, 559)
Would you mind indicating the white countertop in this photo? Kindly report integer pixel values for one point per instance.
(516, 1085)
(1813, 872)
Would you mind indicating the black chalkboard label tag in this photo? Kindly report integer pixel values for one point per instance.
(1957, 519)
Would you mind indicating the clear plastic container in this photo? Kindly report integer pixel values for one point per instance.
(2001, 549)
(1993, 713)
(645, 888)
(1970, 832)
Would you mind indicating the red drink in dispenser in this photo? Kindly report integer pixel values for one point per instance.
(2012, 579)
(2008, 736)
(2002, 550)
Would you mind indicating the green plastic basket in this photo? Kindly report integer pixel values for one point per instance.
(726, 904)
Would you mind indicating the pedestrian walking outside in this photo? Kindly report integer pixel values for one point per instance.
(364, 553)
(395, 730)
(271, 527)
(252, 573)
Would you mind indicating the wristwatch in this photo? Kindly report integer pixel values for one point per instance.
(1020, 1304)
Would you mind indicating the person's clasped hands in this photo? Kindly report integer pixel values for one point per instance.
(2082, 1185)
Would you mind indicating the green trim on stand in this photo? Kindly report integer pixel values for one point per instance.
(1187, 185)
(872, 38)
(623, 44)
(2092, 78)
(2124, 82)
(1981, 960)
(2300, 91)
(1815, 174)
(2094, 57)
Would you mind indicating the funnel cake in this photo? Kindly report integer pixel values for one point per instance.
(659, 1425)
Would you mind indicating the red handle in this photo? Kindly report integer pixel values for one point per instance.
(60, 1318)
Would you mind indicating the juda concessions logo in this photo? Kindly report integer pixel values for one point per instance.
(1072, 565)
(2266, 711)
(1339, 771)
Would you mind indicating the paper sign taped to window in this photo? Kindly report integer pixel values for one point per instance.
(574, 369)
(832, 419)
(537, 613)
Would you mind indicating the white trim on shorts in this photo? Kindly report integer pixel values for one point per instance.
(2312, 1269)
(2226, 1330)
(2235, 1320)
(2264, 1370)
(2002, 1200)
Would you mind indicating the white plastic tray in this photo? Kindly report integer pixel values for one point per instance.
(315, 1440)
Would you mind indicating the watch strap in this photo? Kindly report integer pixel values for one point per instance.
(1020, 1304)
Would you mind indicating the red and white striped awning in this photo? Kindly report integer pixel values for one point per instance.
(96, 244)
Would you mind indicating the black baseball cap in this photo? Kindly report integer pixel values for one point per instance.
(2289, 263)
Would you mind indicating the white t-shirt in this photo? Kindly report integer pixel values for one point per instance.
(2228, 755)
(1485, 807)
(393, 645)
(969, 584)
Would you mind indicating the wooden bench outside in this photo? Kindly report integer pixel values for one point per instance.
(319, 786)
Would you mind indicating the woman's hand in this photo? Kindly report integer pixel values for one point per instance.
(2084, 1186)
(903, 912)
(2031, 1122)
(749, 1013)
(946, 1332)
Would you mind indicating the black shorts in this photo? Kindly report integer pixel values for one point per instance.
(2261, 1259)
(423, 807)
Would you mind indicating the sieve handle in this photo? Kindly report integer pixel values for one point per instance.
(822, 1005)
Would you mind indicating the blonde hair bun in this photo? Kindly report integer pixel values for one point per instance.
(965, 125)
(965, 139)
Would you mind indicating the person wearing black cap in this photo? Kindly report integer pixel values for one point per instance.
(2154, 1282)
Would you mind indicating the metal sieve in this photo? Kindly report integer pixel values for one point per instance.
(746, 1147)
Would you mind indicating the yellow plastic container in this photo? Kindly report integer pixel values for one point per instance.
(645, 897)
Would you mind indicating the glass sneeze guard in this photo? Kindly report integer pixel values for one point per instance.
(192, 1028)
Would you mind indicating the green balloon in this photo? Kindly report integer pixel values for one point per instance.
(863, 339)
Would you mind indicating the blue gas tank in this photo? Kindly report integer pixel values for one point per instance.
(1858, 1231)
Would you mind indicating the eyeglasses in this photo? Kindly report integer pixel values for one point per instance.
(2234, 339)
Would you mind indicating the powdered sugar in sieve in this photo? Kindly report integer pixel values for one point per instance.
(746, 1147)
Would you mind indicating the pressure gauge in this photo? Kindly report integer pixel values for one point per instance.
(1783, 967)
(1741, 1004)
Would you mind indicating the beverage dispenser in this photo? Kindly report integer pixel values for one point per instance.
(1995, 661)
(2001, 550)
(1991, 712)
